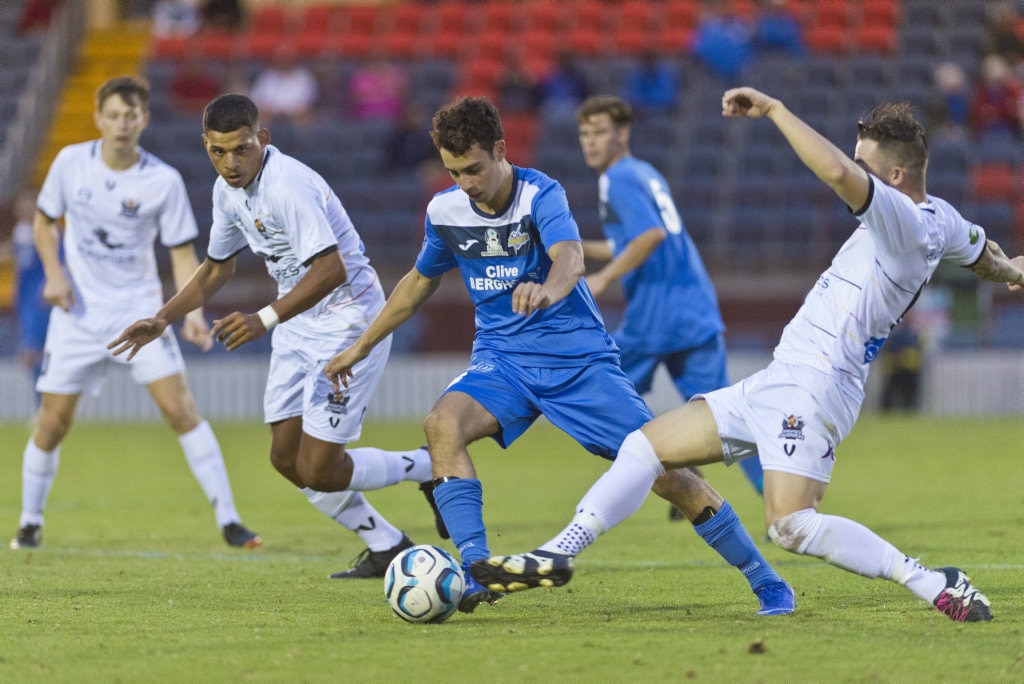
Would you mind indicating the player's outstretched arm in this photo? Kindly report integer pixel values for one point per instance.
(207, 279)
(566, 270)
(993, 265)
(408, 296)
(828, 162)
(632, 257)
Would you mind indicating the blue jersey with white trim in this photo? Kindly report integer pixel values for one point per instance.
(670, 300)
(497, 252)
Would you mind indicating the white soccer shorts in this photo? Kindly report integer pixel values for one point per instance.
(792, 417)
(297, 386)
(76, 357)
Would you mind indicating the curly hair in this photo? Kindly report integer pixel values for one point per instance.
(131, 89)
(898, 133)
(466, 122)
(228, 113)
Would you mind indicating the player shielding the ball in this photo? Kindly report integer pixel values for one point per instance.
(795, 412)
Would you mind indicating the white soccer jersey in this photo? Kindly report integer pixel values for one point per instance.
(872, 281)
(288, 215)
(112, 219)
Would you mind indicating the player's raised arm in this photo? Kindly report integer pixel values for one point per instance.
(566, 269)
(408, 296)
(828, 162)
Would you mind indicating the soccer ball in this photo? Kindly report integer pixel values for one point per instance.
(424, 584)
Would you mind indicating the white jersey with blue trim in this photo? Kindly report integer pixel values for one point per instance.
(873, 280)
(289, 216)
(111, 222)
(497, 252)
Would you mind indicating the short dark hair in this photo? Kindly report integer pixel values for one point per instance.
(615, 107)
(466, 122)
(228, 113)
(898, 132)
(132, 89)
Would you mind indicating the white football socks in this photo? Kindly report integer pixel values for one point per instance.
(614, 497)
(207, 464)
(38, 470)
(352, 511)
(374, 468)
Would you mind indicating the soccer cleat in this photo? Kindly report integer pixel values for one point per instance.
(373, 563)
(523, 571)
(428, 491)
(776, 598)
(476, 594)
(28, 537)
(960, 601)
(237, 534)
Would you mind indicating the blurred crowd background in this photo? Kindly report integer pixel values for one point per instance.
(350, 88)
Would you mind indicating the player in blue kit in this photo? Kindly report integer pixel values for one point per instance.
(540, 347)
(671, 315)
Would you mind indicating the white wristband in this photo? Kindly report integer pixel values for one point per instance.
(268, 316)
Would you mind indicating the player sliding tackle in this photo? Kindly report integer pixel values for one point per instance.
(794, 413)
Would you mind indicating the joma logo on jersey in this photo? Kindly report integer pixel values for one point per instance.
(130, 208)
(336, 403)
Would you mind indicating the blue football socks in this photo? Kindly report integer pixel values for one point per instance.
(726, 535)
(461, 502)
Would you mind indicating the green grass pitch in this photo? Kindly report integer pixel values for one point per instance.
(133, 582)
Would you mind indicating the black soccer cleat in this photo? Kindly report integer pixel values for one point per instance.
(960, 600)
(373, 563)
(28, 537)
(428, 491)
(523, 571)
(237, 534)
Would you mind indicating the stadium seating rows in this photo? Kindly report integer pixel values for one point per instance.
(737, 183)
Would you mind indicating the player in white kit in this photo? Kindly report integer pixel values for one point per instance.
(794, 413)
(327, 294)
(116, 199)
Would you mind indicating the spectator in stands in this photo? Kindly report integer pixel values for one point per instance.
(996, 101)
(176, 18)
(286, 90)
(652, 85)
(566, 87)
(518, 92)
(193, 85)
(947, 109)
(722, 41)
(777, 29)
(408, 146)
(1005, 33)
(33, 311)
(223, 15)
(377, 89)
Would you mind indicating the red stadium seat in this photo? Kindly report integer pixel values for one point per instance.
(680, 15)
(633, 16)
(310, 45)
(827, 39)
(171, 47)
(875, 38)
(587, 41)
(831, 13)
(319, 19)
(995, 181)
(273, 19)
(672, 40)
(261, 44)
(355, 44)
(521, 132)
(880, 12)
(360, 18)
(219, 45)
(633, 41)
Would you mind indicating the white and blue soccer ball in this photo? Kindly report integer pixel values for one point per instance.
(424, 583)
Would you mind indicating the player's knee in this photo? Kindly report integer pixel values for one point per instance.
(795, 531)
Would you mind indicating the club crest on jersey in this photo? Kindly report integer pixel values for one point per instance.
(337, 403)
(494, 246)
(792, 427)
(518, 239)
(130, 208)
(259, 227)
(872, 347)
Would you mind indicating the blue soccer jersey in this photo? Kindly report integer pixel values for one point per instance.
(670, 301)
(497, 252)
